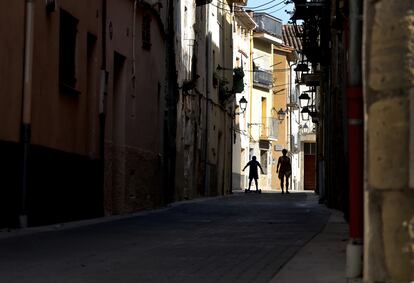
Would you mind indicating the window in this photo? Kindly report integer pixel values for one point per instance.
(67, 50)
(263, 160)
(146, 32)
(50, 6)
(274, 128)
(310, 148)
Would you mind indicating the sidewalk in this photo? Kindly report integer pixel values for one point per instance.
(323, 259)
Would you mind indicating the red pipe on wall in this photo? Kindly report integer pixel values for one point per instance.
(353, 37)
(355, 138)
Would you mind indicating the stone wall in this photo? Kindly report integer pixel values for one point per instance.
(389, 194)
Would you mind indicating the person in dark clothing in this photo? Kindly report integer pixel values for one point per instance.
(284, 168)
(253, 171)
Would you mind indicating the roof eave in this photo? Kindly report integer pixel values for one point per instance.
(245, 19)
(267, 37)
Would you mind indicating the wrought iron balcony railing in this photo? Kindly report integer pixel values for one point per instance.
(263, 78)
(268, 24)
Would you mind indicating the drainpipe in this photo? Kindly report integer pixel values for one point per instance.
(232, 117)
(290, 121)
(27, 107)
(103, 34)
(134, 18)
(208, 62)
(251, 89)
(355, 140)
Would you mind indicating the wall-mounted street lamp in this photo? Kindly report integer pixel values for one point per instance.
(281, 114)
(314, 114)
(304, 129)
(242, 105)
(304, 99)
(301, 68)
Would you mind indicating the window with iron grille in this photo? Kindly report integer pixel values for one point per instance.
(310, 148)
(262, 78)
(273, 128)
(263, 160)
(146, 32)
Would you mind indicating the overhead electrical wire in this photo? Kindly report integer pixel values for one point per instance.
(258, 70)
(223, 9)
(255, 7)
(277, 9)
(250, 8)
(265, 9)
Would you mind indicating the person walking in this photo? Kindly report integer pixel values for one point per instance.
(284, 168)
(253, 172)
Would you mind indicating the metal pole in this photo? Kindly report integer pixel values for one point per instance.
(27, 108)
(208, 62)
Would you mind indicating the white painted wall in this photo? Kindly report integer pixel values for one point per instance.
(263, 58)
(297, 124)
(242, 58)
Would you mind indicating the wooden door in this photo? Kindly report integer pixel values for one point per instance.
(310, 172)
(310, 166)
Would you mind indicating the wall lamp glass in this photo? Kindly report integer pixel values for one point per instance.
(305, 113)
(304, 99)
(304, 129)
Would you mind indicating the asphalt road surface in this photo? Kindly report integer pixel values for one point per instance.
(240, 238)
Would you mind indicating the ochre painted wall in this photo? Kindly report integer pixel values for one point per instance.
(280, 95)
(59, 120)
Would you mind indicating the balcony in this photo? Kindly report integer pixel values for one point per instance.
(263, 78)
(268, 24)
(270, 129)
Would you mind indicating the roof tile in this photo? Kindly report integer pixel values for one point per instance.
(290, 36)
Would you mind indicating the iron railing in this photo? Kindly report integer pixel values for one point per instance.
(263, 78)
(268, 24)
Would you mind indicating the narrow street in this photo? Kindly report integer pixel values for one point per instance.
(240, 238)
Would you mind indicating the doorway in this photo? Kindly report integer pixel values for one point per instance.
(118, 133)
(309, 166)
